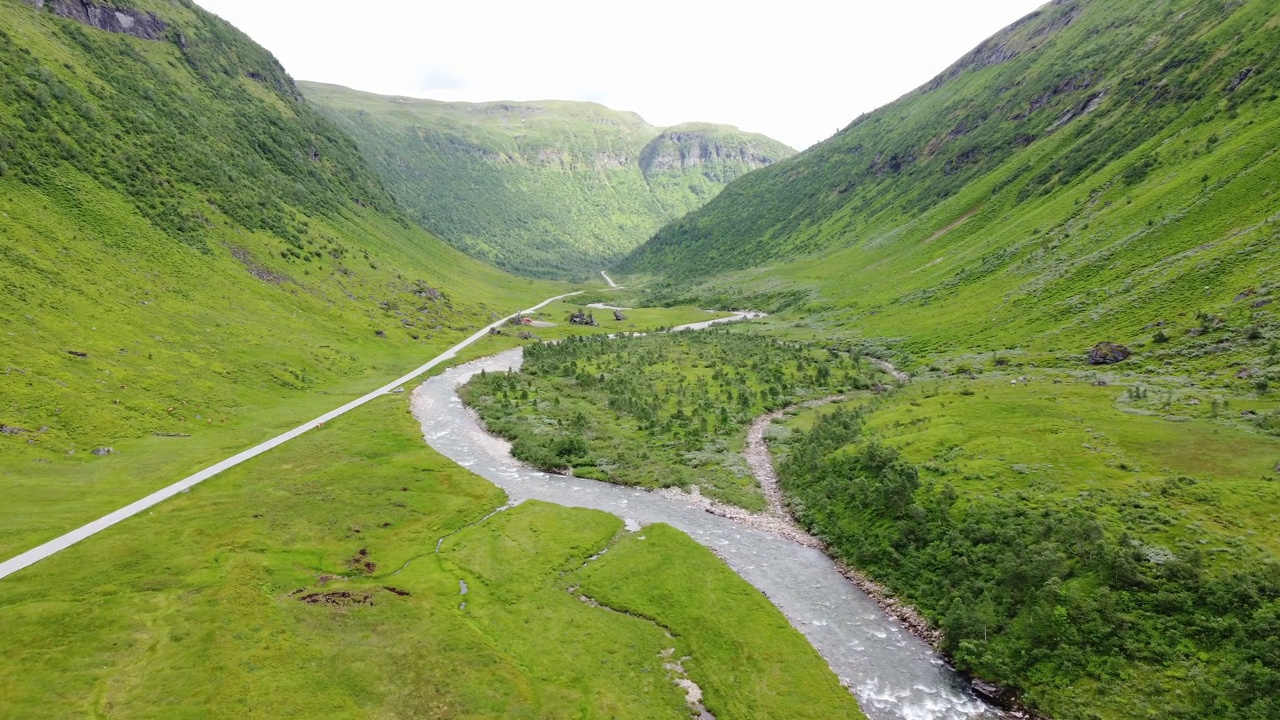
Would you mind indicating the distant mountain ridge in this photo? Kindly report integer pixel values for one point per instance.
(548, 188)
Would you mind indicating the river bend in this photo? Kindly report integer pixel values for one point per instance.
(894, 675)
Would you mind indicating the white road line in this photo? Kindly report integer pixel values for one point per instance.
(35, 555)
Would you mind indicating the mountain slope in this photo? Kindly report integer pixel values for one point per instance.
(550, 188)
(188, 249)
(1088, 171)
(1096, 532)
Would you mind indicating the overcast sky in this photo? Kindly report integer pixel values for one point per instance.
(797, 70)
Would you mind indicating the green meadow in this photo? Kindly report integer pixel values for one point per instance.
(306, 582)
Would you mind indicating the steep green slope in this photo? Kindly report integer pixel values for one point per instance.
(548, 188)
(1101, 540)
(187, 249)
(1099, 166)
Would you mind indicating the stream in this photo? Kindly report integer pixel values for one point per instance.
(894, 675)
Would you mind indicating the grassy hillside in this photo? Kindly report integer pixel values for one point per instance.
(1101, 540)
(1098, 167)
(188, 250)
(553, 188)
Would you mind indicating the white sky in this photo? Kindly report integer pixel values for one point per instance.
(797, 70)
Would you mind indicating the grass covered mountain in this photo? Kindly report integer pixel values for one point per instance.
(187, 248)
(551, 188)
(1098, 537)
(1099, 166)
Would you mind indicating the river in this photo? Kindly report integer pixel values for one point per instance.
(894, 675)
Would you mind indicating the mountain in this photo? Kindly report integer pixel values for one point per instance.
(1067, 242)
(187, 248)
(552, 188)
(1097, 167)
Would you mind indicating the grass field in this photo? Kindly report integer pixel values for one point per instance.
(305, 583)
(48, 492)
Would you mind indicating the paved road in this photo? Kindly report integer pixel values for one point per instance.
(35, 555)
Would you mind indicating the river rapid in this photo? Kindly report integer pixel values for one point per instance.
(894, 675)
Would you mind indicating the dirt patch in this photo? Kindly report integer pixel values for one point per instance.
(396, 591)
(361, 562)
(338, 598)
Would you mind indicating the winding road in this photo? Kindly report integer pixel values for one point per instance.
(58, 544)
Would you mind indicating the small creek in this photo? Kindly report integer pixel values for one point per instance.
(894, 675)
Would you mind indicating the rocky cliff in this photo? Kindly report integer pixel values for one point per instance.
(126, 21)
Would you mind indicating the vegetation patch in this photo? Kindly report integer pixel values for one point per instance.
(662, 410)
(1092, 557)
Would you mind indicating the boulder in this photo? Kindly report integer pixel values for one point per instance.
(618, 315)
(1107, 353)
(103, 451)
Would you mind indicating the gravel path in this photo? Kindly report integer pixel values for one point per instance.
(777, 519)
(37, 554)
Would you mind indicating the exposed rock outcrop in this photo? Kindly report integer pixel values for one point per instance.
(724, 155)
(125, 21)
(1107, 353)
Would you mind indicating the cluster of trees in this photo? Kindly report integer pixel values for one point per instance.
(1041, 594)
(655, 410)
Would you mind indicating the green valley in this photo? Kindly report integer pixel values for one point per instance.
(194, 259)
(552, 188)
(1019, 379)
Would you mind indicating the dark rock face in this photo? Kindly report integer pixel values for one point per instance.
(1106, 353)
(104, 17)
